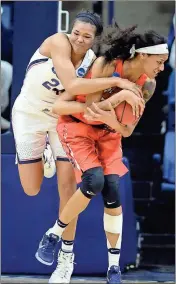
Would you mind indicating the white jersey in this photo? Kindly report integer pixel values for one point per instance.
(41, 85)
(32, 116)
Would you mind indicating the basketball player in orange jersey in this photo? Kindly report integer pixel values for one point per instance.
(96, 149)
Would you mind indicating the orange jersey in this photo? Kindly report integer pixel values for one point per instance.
(88, 146)
(82, 98)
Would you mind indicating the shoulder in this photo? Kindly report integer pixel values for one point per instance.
(148, 88)
(99, 61)
(60, 40)
(101, 68)
(55, 43)
(97, 66)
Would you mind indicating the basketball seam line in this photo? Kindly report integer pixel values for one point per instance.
(123, 111)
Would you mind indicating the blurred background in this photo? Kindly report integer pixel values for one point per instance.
(148, 191)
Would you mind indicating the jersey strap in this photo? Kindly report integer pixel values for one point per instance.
(82, 70)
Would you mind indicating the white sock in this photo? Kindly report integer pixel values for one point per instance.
(114, 253)
(67, 246)
(57, 229)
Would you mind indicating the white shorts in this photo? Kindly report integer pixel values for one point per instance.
(31, 126)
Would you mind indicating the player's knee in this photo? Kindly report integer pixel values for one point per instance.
(31, 191)
(92, 182)
(110, 193)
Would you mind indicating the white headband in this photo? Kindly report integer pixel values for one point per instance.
(155, 49)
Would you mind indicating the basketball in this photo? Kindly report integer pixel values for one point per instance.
(123, 111)
(124, 114)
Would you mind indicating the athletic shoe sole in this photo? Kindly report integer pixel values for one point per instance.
(42, 261)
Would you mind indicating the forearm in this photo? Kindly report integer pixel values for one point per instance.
(115, 100)
(68, 107)
(123, 130)
(89, 86)
(93, 98)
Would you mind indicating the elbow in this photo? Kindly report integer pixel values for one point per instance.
(126, 134)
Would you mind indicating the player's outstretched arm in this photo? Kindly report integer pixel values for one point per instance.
(60, 53)
(66, 104)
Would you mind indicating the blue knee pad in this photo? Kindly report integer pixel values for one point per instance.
(92, 182)
(110, 192)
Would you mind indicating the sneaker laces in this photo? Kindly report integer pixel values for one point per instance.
(49, 243)
(115, 268)
(64, 260)
(114, 273)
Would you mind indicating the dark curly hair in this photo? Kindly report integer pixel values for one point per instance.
(119, 41)
(92, 18)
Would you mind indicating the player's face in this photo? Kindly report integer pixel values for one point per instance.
(154, 64)
(82, 37)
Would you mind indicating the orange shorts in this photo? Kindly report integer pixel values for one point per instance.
(88, 147)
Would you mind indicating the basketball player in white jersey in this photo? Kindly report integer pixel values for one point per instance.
(59, 64)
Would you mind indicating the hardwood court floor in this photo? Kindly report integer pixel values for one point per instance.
(141, 277)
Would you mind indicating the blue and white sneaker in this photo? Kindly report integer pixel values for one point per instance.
(114, 275)
(46, 250)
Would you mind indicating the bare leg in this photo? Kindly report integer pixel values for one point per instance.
(31, 177)
(66, 187)
(76, 204)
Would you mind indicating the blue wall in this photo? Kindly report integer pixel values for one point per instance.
(25, 219)
(33, 22)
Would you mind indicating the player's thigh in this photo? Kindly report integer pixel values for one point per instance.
(79, 145)
(110, 154)
(109, 144)
(65, 171)
(30, 141)
(31, 177)
(56, 146)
